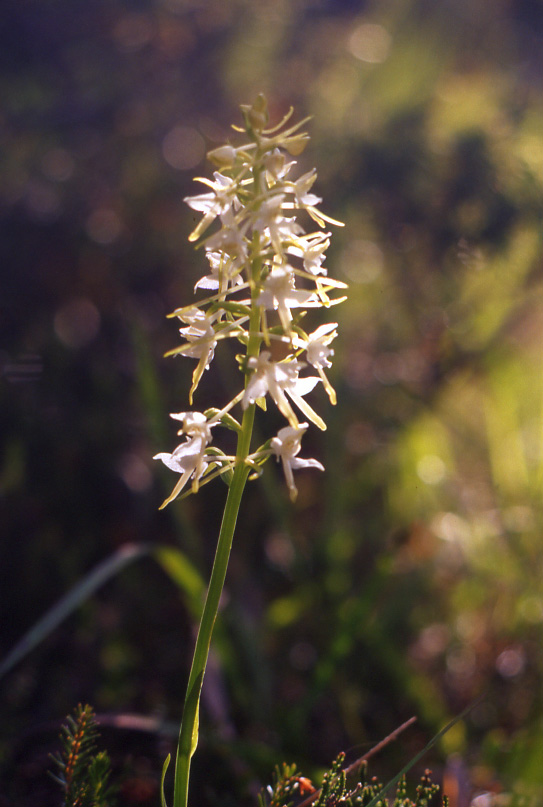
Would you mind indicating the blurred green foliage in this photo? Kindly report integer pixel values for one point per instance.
(407, 579)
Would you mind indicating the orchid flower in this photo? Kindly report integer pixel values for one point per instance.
(257, 248)
(286, 446)
(251, 209)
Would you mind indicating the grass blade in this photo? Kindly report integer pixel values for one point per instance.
(418, 756)
(164, 769)
(71, 601)
(184, 575)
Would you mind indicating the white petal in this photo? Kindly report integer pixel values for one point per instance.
(256, 388)
(296, 462)
(305, 385)
(170, 462)
(207, 282)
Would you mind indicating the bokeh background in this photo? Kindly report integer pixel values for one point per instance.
(407, 579)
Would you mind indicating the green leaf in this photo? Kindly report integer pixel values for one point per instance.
(227, 474)
(192, 706)
(184, 575)
(232, 307)
(163, 777)
(230, 422)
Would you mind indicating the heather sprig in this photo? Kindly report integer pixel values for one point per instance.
(83, 772)
(340, 788)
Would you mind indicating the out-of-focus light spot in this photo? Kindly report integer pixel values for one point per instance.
(431, 469)
(531, 609)
(183, 147)
(483, 800)
(135, 474)
(362, 261)
(77, 323)
(511, 662)
(433, 640)
(133, 31)
(103, 226)
(58, 165)
(279, 550)
(450, 527)
(370, 43)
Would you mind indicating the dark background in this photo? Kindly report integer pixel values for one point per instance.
(407, 578)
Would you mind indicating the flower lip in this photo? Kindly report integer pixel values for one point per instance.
(286, 446)
(279, 294)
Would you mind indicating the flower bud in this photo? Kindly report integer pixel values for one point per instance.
(256, 115)
(223, 156)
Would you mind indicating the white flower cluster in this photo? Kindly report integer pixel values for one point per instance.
(257, 256)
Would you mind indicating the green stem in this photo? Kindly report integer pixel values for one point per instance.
(188, 735)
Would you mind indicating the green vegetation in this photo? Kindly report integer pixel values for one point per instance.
(407, 579)
(83, 772)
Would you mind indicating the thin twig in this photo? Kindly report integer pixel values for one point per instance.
(376, 748)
